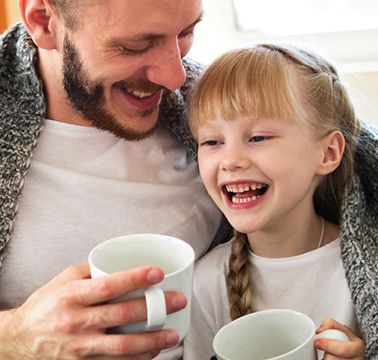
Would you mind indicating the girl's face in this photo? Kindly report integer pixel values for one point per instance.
(261, 173)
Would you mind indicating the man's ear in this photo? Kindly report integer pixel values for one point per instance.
(39, 17)
(333, 150)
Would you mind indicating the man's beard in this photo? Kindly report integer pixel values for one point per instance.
(88, 98)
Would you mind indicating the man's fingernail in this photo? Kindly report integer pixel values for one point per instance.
(172, 338)
(179, 301)
(154, 276)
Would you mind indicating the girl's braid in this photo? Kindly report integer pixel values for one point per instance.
(239, 292)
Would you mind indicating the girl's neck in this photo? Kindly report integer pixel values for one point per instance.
(293, 240)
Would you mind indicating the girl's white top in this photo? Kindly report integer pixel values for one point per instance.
(313, 283)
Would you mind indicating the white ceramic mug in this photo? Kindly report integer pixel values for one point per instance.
(173, 255)
(270, 334)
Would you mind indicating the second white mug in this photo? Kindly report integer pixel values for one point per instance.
(279, 334)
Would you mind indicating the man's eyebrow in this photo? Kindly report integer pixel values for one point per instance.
(195, 22)
(152, 37)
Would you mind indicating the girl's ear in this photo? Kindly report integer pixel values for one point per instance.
(39, 19)
(333, 149)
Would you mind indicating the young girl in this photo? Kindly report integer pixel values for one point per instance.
(279, 150)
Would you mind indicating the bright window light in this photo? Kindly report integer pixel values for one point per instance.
(300, 17)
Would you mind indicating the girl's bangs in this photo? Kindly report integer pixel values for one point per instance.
(254, 83)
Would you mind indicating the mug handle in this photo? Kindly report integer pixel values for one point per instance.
(156, 308)
(332, 334)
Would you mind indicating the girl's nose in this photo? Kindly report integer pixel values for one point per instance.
(234, 159)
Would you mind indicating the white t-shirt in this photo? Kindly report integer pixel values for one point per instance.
(313, 283)
(86, 186)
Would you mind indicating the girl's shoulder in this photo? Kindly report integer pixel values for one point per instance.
(212, 267)
(219, 255)
(210, 273)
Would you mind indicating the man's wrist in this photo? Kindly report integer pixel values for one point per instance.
(9, 349)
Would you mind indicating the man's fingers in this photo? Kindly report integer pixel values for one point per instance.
(77, 312)
(145, 356)
(74, 272)
(123, 313)
(135, 346)
(94, 291)
(175, 301)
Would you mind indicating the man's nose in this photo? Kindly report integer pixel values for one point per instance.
(167, 69)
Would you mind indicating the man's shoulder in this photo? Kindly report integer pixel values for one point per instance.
(193, 70)
(18, 58)
(192, 65)
(10, 38)
(173, 108)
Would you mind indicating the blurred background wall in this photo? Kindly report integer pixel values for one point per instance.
(8, 13)
(344, 31)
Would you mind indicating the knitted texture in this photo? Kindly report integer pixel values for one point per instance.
(22, 112)
(359, 238)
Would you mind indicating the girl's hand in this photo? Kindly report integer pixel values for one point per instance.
(353, 349)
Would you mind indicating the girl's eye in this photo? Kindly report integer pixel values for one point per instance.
(258, 138)
(210, 143)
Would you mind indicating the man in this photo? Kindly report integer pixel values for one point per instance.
(89, 88)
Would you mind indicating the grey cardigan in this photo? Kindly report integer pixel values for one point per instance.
(22, 113)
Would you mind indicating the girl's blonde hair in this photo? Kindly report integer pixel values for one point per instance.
(282, 82)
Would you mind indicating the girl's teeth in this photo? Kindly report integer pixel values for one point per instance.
(243, 187)
(236, 200)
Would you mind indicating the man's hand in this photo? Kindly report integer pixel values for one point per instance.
(67, 318)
